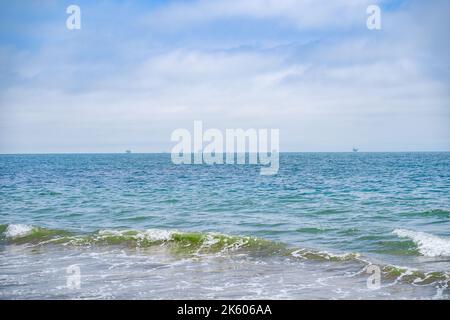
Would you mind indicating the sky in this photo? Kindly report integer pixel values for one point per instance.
(138, 70)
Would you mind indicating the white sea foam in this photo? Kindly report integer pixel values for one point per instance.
(158, 234)
(428, 244)
(150, 234)
(303, 253)
(18, 230)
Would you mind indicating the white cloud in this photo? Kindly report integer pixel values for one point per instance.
(300, 13)
(376, 91)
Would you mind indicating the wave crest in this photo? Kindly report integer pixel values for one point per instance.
(429, 245)
(17, 230)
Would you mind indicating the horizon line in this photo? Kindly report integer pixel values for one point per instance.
(165, 152)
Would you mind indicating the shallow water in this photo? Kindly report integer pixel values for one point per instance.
(308, 232)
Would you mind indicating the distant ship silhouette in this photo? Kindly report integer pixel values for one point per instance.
(128, 151)
(355, 149)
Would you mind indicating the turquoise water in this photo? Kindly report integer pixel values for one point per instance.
(141, 227)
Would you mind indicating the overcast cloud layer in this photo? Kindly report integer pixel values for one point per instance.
(137, 71)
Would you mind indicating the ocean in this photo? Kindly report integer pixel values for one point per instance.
(135, 226)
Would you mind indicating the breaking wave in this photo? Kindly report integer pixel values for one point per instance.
(428, 245)
(206, 243)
